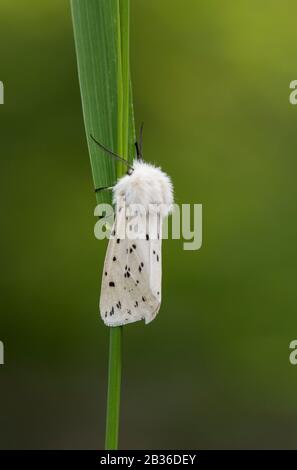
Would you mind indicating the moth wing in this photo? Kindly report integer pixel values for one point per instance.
(151, 250)
(131, 282)
(115, 303)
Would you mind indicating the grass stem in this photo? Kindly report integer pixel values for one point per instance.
(101, 32)
(116, 333)
(114, 388)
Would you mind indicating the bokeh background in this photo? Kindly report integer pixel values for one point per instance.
(211, 82)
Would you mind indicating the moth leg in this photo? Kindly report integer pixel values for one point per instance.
(103, 188)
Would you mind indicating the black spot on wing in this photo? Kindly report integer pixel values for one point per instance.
(157, 256)
(111, 284)
(132, 247)
(140, 267)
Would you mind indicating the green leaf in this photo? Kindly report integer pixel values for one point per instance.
(102, 49)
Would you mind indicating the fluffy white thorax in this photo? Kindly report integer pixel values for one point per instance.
(147, 185)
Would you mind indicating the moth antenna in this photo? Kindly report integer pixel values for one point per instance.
(110, 152)
(140, 141)
(138, 156)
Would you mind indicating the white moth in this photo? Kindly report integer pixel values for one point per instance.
(131, 280)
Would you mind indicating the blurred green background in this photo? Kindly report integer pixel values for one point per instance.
(211, 82)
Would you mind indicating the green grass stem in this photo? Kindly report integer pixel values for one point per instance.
(101, 31)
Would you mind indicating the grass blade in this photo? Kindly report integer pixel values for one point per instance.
(101, 31)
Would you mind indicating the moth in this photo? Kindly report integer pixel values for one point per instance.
(132, 273)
